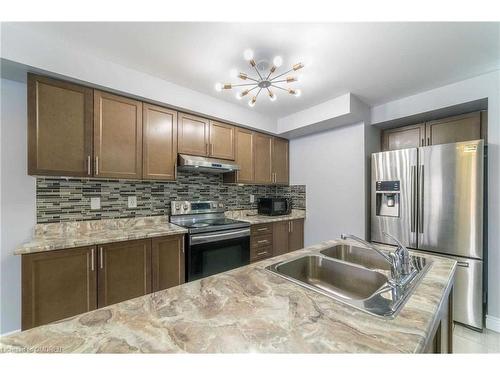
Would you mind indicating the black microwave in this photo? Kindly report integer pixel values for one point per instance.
(274, 206)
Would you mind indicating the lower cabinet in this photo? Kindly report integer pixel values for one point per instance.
(168, 261)
(62, 283)
(273, 239)
(124, 271)
(58, 284)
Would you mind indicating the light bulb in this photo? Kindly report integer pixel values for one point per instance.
(233, 73)
(277, 61)
(239, 96)
(218, 86)
(298, 92)
(251, 103)
(248, 54)
(272, 97)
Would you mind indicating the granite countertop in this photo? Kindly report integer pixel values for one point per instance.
(246, 310)
(55, 236)
(250, 216)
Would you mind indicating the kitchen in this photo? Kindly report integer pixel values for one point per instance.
(141, 215)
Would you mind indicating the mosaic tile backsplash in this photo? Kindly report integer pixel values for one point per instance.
(61, 199)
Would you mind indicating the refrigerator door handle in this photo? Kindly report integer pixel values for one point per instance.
(421, 200)
(413, 213)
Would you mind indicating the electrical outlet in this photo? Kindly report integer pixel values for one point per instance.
(252, 198)
(132, 201)
(95, 203)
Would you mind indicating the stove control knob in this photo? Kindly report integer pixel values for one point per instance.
(214, 205)
(221, 205)
(185, 206)
(177, 206)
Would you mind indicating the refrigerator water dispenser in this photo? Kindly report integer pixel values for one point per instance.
(388, 197)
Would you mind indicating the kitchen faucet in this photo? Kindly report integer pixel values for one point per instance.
(401, 271)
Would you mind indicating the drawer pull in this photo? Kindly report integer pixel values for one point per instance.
(262, 253)
(263, 241)
(262, 229)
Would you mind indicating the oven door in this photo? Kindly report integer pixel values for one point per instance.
(215, 252)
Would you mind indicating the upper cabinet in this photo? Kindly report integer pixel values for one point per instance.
(404, 137)
(193, 135)
(263, 173)
(221, 140)
(280, 161)
(454, 129)
(159, 136)
(76, 131)
(117, 136)
(59, 128)
(467, 127)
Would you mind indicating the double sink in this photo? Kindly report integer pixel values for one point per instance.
(356, 276)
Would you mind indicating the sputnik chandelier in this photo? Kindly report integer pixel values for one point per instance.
(263, 82)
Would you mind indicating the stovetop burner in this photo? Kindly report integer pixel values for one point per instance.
(206, 216)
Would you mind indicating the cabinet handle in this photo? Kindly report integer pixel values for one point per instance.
(100, 258)
(206, 148)
(182, 245)
(428, 141)
(289, 226)
(92, 259)
(211, 149)
(261, 229)
(88, 165)
(263, 241)
(262, 253)
(97, 165)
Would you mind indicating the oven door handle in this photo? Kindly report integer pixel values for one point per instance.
(206, 238)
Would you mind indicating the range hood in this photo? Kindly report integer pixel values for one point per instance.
(203, 164)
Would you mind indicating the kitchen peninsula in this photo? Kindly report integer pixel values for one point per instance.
(251, 310)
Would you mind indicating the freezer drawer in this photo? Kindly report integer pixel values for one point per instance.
(468, 293)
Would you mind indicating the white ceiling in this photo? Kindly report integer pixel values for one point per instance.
(378, 62)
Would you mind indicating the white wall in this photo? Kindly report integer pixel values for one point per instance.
(483, 86)
(24, 47)
(331, 165)
(17, 191)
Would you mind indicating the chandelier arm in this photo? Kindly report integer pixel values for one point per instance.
(253, 79)
(258, 92)
(281, 80)
(257, 70)
(282, 74)
(243, 84)
(281, 88)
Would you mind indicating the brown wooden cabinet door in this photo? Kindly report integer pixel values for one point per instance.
(168, 262)
(262, 158)
(124, 271)
(245, 155)
(221, 140)
(296, 237)
(454, 129)
(280, 160)
(159, 138)
(192, 135)
(59, 128)
(281, 230)
(58, 284)
(404, 137)
(117, 136)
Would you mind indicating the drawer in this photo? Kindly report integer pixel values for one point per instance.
(260, 253)
(261, 241)
(260, 229)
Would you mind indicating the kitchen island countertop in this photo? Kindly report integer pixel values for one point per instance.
(246, 310)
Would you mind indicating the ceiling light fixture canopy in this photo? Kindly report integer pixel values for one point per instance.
(263, 82)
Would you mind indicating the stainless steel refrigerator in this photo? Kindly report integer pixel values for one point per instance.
(431, 198)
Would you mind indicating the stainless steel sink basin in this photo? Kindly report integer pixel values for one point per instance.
(352, 275)
(358, 255)
(342, 279)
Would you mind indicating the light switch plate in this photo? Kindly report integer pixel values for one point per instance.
(132, 201)
(252, 198)
(95, 203)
